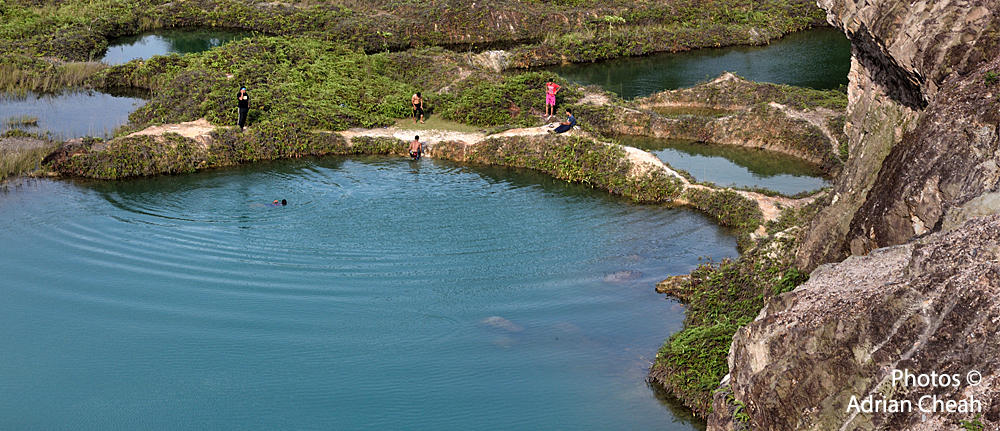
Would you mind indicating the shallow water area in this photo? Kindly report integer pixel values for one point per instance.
(168, 41)
(72, 114)
(388, 294)
(818, 58)
(733, 166)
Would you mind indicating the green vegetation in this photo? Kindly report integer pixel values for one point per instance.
(22, 152)
(326, 86)
(721, 298)
(20, 74)
(740, 413)
(991, 78)
(727, 295)
(22, 121)
(145, 155)
(728, 207)
(577, 159)
(974, 425)
(292, 81)
(673, 26)
(38, 36)
(513, 99)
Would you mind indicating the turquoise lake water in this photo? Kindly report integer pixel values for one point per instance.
(388, 294)
(733, 166)
(818, 58)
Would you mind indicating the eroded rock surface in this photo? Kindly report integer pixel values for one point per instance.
(922, 120)
(931, 305)
(742, 113)
(914, 213)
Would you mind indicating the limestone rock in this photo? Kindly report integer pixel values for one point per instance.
(921, 122)
(931, 305)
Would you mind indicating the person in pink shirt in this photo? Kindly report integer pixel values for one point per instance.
(551, 88)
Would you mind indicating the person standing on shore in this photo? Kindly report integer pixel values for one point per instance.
(416, 148)
(551, 88)
(243, 104)
(418, 107)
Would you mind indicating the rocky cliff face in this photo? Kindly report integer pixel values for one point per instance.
(922, 123)
(914, 215)
(929, 306)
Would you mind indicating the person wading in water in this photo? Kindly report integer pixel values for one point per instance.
(416, 148)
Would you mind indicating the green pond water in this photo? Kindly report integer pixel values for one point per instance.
(388, 294)
(71, 114)
(733, 166)
(168, 41)
(818, 58)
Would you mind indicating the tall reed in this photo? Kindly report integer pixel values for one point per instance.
(15, 162)
(19, 80)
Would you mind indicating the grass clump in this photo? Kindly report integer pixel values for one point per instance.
(20, 74)
(22, 152)
(728, 208)
(22, 121)
(383, 145)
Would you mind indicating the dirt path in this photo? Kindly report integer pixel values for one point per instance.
(197, 130)
(643, 162)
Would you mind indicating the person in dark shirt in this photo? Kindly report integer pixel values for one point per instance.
(243, 102)
(565, 126)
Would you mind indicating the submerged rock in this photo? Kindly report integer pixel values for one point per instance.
(622, 277)
(500, 322)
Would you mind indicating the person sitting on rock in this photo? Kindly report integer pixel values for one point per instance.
(567, 125)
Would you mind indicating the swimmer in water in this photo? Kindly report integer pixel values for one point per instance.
(278, 203)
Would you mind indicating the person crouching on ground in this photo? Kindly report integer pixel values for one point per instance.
(567, 125)
(243, 104)
(416, 148)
